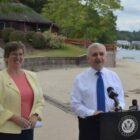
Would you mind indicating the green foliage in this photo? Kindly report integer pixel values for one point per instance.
(5, 1)
(7, 7)
(35, 4)
(17, 36)
(66, 51)
(127, 35)
(53, 41)
(108, 28)
(38, 40)
(29, 36)
(91, 28)
(6, 34)
(0, 33)
(68, 15)
(103, 5)
(89, 19)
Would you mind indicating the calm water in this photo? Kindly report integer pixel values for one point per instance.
(133, 55)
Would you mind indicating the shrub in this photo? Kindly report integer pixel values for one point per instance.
(47, 35)
(0, 33)
(6, 33)
(29, 36)
(17, 36)
(38, 40)
(54, 41)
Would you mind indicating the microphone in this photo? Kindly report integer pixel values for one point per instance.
(134, 106)
(113, 95)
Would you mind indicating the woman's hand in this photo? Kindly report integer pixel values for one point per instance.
(20, 121)
(33, 119)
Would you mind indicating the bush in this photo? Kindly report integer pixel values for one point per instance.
(17, 36)
(53, 41)
(6, 34)
(0, 33)
(47, 35)
(38, 40)
(29, 36)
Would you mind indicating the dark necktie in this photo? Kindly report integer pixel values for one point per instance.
(100, 93)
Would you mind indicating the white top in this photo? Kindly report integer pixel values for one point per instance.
(84, 96)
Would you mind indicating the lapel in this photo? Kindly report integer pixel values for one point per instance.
(9, 82)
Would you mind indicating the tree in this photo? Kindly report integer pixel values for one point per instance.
(69, 15)
(37, 5)
(7, 6)
(108, 28)
(127, 35)
(92, 19)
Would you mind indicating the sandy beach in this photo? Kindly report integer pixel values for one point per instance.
(59, 123)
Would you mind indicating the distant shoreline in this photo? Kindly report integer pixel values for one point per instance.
(131, 55)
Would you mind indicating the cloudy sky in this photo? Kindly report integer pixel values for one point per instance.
(129, 18)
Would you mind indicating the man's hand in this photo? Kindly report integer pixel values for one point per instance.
(97, 113)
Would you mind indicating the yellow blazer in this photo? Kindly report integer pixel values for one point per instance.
(10, 102)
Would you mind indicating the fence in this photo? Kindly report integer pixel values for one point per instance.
(87, 42)
(76, 41)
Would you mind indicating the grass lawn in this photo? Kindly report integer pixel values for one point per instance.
(67, 50)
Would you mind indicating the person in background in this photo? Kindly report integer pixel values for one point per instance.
(21, 98)
(89, 96)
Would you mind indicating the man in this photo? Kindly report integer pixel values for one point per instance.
(88, 86)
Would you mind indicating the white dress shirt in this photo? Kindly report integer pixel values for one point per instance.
(84, 96)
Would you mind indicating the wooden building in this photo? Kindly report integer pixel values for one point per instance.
(23, 18)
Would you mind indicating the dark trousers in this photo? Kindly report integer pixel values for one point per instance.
(88, 128)
(25, 135)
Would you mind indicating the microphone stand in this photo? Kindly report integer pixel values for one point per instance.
(117, 107)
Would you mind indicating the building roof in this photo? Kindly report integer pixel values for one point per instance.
(21, 13)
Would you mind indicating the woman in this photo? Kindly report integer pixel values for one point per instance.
(21, 98)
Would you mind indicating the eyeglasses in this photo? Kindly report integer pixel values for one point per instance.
(96, 54)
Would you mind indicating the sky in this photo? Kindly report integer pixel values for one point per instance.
(128, 19)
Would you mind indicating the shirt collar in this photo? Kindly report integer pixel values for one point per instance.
(95, 71)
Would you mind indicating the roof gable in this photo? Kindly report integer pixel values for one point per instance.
(21, 13)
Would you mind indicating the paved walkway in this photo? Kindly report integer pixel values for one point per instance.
(58, 125)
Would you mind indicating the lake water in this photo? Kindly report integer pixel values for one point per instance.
(132, 55)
